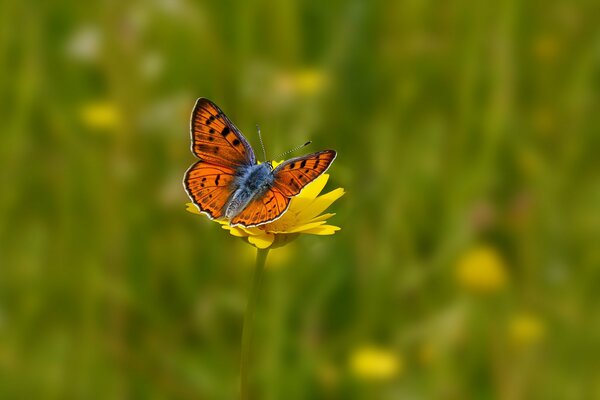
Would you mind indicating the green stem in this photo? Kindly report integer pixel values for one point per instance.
(261, 258)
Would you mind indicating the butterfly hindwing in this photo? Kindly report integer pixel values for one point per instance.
(208, 185)
(292, 175)
(266, 208)
(216, 139)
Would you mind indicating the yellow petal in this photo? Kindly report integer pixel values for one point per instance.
(308, 194)
(320, 204)
(323, 230)
(251, 231)
(322, 217)
(299, 203)
(235, 231)
(191, 207)
(262, 241)
(305, 227)
(313, 189)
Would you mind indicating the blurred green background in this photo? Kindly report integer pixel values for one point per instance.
(468, 261)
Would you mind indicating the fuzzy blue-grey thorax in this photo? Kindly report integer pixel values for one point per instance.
(251, 182)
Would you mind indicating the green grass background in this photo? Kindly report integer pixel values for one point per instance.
(441, 112)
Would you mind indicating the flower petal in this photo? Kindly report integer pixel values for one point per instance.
(235, 231)
(320, 204)
(313, 189)
(191, 207)
(308, 194)
(322, 217)
(323, 230)
(251, 231)
(262, 241)
(305, 227)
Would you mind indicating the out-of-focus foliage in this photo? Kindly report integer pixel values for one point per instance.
(468, 261)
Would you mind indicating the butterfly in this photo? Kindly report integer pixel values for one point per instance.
(228, 183)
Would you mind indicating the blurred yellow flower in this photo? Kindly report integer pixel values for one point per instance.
(303, 216)
(526, 329)
(375, 363)
(310, 80)
(100, 115)
(302, 82)
(481, 270)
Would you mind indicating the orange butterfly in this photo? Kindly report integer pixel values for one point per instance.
(228, 183)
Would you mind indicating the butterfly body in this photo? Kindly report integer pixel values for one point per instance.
(228, 183)
(251, 182)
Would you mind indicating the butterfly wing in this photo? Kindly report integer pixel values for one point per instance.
(208, 185)
(215, 139)
(266, 208)
(292, 175)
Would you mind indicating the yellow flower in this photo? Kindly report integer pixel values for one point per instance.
(310, 81)
(302, 216)
(481, 270)
(375, 363)
(100, 115)
(525, 330)
(301, 82)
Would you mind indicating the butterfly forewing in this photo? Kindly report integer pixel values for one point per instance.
(292, 175)
(209, 186)
(216, 139)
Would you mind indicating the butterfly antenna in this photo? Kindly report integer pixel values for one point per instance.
(261, 143)
(295, 149)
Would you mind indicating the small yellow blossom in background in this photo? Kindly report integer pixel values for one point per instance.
(302, 216)
(481, 270)
(525, 330)
(310, 81)
(302, 82)
(375, 363)
(100, 115)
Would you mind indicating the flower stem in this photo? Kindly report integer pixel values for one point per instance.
(261, 258)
